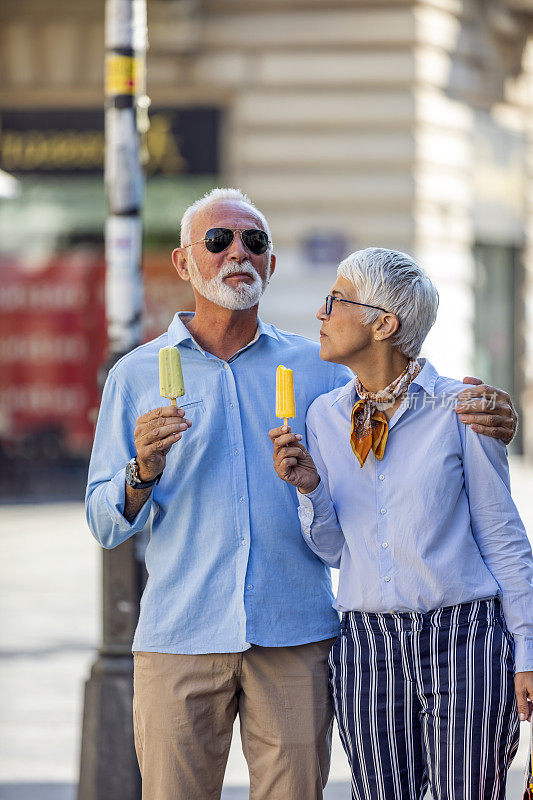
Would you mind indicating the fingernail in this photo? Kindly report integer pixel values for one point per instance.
(523, 717)
(284, 429)
(299, 436)
(463, 418)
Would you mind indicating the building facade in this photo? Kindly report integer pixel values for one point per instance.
(350, 123)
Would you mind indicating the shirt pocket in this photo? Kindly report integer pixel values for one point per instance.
(191, 442)
(191, 404)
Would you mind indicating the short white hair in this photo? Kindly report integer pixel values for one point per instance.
(394, 281)
(214, 196)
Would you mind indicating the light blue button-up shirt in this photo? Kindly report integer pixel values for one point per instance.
(431, 525)
(227, 565)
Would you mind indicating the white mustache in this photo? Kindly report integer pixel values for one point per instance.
(245, 268)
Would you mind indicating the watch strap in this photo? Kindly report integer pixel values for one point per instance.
(132, 476)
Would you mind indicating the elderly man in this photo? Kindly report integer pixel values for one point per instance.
(236, 616)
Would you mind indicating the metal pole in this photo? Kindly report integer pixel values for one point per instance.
(108, 764)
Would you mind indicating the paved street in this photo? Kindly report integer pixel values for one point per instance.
(49, 618)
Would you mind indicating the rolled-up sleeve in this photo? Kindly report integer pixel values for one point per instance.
(501, 536)
(114, 446)
(318, 518)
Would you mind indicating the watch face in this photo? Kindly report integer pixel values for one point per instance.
(131, 478)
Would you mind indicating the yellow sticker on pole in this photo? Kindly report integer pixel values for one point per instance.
(120, 74)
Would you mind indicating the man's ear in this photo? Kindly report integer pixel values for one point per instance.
(272, 264)
(180, 260)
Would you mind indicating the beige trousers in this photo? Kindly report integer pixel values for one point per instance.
(184, 708)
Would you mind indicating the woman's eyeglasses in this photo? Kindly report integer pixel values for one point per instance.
(330, 299)
(218, 239)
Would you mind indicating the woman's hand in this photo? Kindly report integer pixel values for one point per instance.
(523, 686)
(292, 462)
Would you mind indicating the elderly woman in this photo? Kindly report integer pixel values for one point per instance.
(436, 571)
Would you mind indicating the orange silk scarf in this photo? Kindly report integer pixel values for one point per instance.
(370, 428)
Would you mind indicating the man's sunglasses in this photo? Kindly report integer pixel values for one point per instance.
(218, 239)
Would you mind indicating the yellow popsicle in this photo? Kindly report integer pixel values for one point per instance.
(285, 406)
(170, 375)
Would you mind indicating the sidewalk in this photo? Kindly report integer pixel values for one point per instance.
(50, 622)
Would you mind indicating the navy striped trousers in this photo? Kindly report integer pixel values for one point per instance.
(426, 699)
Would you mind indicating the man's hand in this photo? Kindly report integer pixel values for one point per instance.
(523, 686)
(155, 434)
(292, 462)
(490, 411)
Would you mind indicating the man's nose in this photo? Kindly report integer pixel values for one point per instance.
(237, 250)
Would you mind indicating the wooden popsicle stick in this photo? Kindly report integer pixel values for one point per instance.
(286, 421)
(173, 401)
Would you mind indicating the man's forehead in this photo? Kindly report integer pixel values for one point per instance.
(226, 213)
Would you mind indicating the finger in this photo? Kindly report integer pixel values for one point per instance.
(153, 418)
(289, 452)
(163, 411)
(471, 380)
(275, 432)
(491, 391)
(161, 432)
(163, 444)
(523, 707)
(494, 433)
(475, 405)
(160, 427)
(474, 391)
(504, 436)
(284, 440)
(491, 420)
(285, 466)
(485, 390)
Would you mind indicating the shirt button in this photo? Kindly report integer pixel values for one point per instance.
(383, 510)
(232, 405)
(387, 579)
(235, 452)
(226, 366)
(385, 545)
(249, 586)
(382, 477)
(241, 499)
(243, 541)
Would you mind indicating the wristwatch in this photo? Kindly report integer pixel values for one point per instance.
(132, 476)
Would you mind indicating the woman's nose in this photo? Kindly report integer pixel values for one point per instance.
(321, 313)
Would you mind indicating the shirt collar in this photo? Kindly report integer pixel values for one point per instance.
(426, 380)
(427, 377)
(178, 332)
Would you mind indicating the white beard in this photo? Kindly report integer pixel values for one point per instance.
(237, 298)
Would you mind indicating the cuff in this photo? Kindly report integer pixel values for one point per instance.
(115, 500)
(523, 654)
(316, 502)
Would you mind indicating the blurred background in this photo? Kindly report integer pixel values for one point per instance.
(349, 123)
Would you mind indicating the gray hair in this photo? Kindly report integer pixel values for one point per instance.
(394, 281)
(212, 197)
